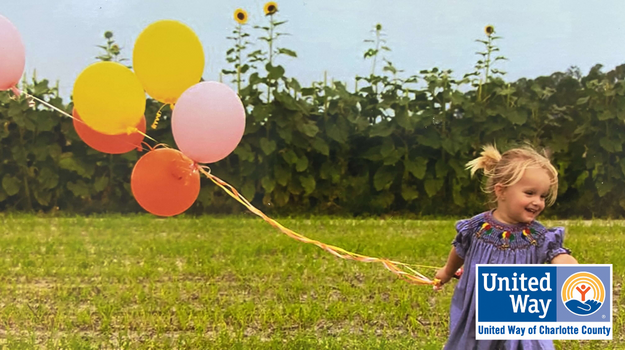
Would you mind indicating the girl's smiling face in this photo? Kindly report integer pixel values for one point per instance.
(525, 200)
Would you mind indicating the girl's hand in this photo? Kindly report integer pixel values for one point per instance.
(441, 277)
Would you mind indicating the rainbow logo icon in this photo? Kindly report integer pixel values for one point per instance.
(583, 293)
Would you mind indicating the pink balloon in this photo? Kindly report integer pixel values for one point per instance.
(208, 122)
(12, 54)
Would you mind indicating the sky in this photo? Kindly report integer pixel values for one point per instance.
(539, 37)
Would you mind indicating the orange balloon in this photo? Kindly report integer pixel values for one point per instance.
(113, 144)
(165, 182)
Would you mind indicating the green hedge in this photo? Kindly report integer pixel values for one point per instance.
(329, 150)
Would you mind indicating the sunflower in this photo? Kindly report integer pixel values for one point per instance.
(489, 30)
(240, 16)
(271, 8)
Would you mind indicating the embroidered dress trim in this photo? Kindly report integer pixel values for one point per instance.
(506, 236)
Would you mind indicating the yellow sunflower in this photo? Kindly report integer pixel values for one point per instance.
(240, 16)
(271, 8)
(489, 30)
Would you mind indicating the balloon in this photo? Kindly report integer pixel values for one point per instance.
(165, 182)
(113, 144)
(12, 54)
(109, 98)
(208, 122)
(168, 58)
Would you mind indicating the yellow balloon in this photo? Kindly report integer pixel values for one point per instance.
(109, 98)
(168, 59)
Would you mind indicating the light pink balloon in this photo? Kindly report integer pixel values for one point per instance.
(208, 122)
(12, 54)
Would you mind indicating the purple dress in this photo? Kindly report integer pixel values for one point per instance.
(484, 240)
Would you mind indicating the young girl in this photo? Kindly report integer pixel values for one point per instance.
(521, 182)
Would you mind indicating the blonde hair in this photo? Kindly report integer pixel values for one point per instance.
(507, 169)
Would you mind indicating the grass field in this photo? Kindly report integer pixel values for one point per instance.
(140, 282)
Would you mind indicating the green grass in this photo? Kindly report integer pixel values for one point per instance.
(140, 282)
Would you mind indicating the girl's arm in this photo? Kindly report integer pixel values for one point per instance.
(564, 259)
(453, 264)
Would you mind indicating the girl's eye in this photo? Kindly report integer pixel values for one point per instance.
(529, 193)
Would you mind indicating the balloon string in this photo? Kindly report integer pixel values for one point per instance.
(164, 145)
(47, 104)
(402, 270)
(158, 117)
(145, 135)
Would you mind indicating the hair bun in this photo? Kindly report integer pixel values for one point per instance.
(489, 158)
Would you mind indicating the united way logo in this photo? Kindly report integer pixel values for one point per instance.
(543, 301)
(583, 293)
